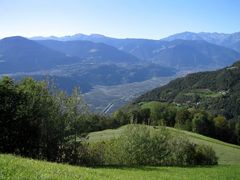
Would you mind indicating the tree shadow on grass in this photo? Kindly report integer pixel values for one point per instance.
(149, 168)
(131, 168)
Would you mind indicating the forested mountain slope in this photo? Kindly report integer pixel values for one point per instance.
(216, 91)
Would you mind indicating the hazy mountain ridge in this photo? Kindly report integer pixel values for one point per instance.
(20, 54)
(223, 39)
(197, 49)
(182, 53)
(227, 40)
(90, 52)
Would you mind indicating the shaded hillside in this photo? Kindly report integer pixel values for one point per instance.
(236, 46)
(181, 53)
(65, 83)
(216, 91)
(20, 54)
(91, 52)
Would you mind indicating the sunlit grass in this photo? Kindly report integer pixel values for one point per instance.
(12, 167)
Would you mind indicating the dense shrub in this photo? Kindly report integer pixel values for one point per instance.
(142, 146)
(205, 155)
(182, 152)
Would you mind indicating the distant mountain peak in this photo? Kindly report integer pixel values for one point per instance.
(97, 36)
(223, 39)
(14, 38)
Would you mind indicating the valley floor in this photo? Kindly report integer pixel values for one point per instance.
(12, 167)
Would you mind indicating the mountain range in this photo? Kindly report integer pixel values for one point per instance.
(90, 52)
(18, 54)
(223, 39)
(183, 50)
(227, 40)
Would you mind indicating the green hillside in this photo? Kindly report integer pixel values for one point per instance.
(227, 153)
(12, 167)
(216, 91)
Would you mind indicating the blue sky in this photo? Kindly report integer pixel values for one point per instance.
(117, 18)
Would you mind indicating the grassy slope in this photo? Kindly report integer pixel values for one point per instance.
(12, 167)
(227, 153)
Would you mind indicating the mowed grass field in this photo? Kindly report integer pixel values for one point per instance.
(12, 167)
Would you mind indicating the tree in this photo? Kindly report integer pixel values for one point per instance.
(163, 114)
(201, 123)
(9, 101)
(121, 117)
(145, 116)
(134, 117)
(39, 115)
(221, 127)
(182, 117)
(76, 109)
(237, 132)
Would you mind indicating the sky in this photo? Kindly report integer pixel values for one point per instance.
(151, 19)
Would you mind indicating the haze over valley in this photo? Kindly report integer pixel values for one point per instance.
(92, 61)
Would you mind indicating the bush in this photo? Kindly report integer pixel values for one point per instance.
(188, 153)
(182, 152)
(205, 155)
(139, 145)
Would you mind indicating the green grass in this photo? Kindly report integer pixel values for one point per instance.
(12, 167)
(204, 93)
(227, 153)
(154, 105)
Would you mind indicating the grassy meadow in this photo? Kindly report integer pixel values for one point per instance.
(12, 167)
